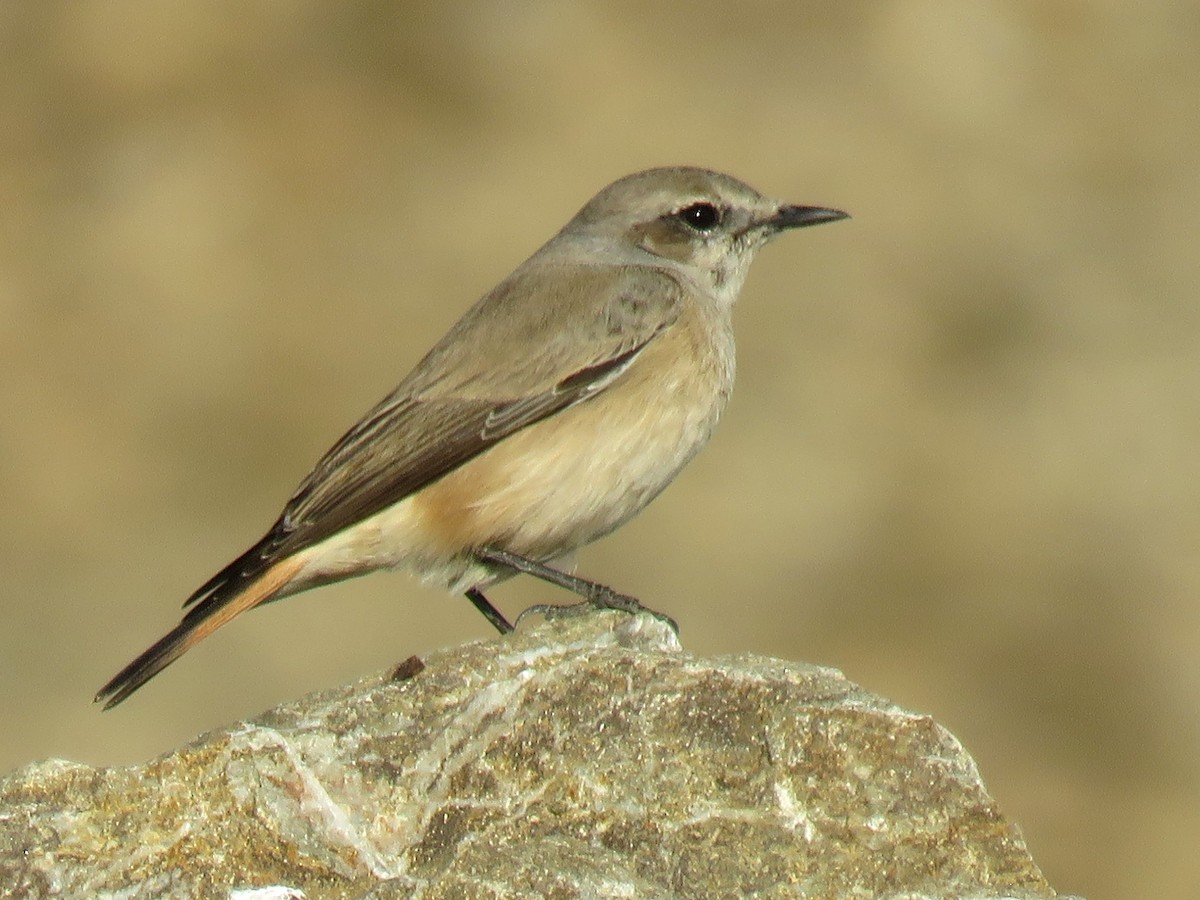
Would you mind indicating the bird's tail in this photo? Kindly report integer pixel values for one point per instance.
(220, 607)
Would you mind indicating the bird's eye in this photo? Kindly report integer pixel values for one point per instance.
(700, 216)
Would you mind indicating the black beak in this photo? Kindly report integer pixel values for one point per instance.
(802, 216)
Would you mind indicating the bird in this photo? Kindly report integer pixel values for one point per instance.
(553, 411)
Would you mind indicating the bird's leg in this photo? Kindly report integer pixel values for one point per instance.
(596, 595)
(493, 615)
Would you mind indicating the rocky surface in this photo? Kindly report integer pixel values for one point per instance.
(588, 757)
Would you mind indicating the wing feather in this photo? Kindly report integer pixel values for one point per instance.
(468, 394)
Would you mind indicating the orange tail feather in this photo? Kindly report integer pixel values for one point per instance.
(194, 629)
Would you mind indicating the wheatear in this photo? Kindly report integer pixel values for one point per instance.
(551, 413)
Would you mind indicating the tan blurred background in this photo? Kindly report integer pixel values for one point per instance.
(961, 462)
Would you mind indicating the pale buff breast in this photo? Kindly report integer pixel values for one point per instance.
(562, 482)
(576, 476)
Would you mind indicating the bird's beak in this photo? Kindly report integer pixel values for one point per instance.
(802, 216)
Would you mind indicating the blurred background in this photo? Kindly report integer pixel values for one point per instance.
(960, 464)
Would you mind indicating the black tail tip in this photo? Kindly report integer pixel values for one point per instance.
(117, 690)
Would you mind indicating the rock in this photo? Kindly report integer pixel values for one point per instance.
(586, 757)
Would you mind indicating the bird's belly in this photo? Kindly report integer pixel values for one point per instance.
(563, 482)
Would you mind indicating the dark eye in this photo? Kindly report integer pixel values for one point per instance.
(700, 216)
